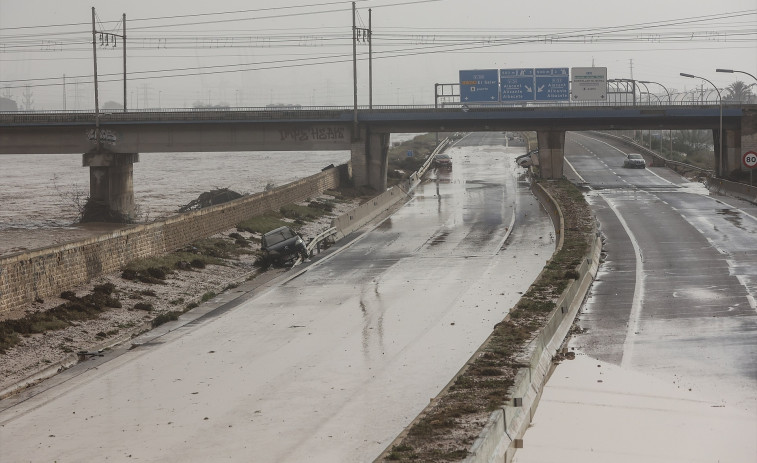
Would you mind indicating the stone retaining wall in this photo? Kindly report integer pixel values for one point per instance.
(47, 272)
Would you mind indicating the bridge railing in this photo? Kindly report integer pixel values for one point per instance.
(342, 113)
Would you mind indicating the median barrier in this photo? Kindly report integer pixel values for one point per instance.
(364, 213)
(361, 215)
(734, 189)
(504, 431)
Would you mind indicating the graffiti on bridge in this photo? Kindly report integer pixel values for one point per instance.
(108, 137)
(313, 134)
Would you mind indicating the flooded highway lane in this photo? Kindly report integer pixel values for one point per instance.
(331, 364)
(670, 336)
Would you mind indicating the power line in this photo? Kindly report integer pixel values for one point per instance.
(453, 45)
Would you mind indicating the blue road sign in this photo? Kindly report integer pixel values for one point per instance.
(552, 84)
(516, 84)
(479, 86)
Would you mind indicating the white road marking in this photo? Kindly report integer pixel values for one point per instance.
(618, 149)
(574, 170)
(638, 291)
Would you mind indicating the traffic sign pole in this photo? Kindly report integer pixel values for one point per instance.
(750, 162)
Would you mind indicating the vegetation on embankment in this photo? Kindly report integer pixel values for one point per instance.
(401, 164)
(154, 271)
(448, 427)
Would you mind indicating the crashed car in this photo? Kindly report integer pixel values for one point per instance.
(635, 160)
(443, 161)
(527, 160)
(283, 245)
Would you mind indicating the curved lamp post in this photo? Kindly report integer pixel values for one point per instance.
(731, 71)
(670, 132)
(649, 102)
(720, 100)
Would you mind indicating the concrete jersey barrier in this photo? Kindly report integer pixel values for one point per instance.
(504, 431)
(357, 218)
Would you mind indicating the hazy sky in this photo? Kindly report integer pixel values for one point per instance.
(299, 51)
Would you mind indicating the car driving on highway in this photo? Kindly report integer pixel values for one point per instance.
(443, 161)
(635, 160)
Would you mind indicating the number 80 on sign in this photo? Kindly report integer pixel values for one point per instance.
(750, 159)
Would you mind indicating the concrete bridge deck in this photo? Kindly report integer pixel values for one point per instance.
(111, 141)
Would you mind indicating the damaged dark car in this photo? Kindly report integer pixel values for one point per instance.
(283, 245)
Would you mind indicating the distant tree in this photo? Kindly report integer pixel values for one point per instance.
(199, 105)
(738, 92)
(28, 103)
(6, 104)
(112, 106)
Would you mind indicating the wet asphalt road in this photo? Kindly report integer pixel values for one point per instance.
(331, 364)
(666, 369)
(676, 294)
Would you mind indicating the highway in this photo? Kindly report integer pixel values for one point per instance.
(666, 366)
(330, 363)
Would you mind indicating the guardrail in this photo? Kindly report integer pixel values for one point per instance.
(315, 244)
(430, 159)
(337, 112)
(737, 190)
(364, 213)
(659, 160)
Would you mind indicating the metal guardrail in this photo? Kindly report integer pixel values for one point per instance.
(663, 161)
(342, 113)
(315, 244)
(427, 163)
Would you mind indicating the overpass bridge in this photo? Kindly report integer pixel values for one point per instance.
(364, 132)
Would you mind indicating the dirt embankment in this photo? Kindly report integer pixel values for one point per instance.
(148, 292)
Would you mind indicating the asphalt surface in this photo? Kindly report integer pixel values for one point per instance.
(331, 363)
(674, 304)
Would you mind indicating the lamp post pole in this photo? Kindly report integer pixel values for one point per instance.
(649, 102)
(669, 103)
(97, 98)
(720, 134)
(731, 71)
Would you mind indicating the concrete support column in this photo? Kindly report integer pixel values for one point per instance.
(732, 150)
(111, 187)
(551, 153)
(378, 160)
(747, 137)
(370, 160)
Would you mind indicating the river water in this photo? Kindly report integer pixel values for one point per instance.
(39, 192)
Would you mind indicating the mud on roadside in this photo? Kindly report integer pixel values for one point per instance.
(143, 302)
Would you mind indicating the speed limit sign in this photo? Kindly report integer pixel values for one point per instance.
(750, 159)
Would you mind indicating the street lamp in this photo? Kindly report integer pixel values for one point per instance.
(649, 102)
(720, 100)
(670, 132)
(731, 71)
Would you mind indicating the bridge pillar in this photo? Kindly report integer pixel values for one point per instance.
(370, 160)
(727, 164)
(551, 153)
(111, 188)
(747, 137)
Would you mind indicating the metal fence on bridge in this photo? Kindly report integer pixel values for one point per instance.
(324, 113)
